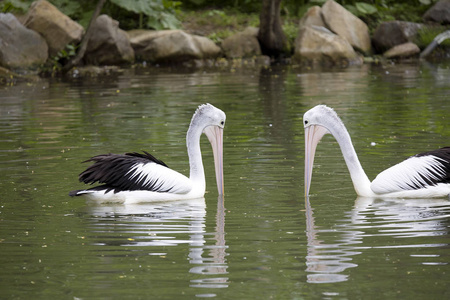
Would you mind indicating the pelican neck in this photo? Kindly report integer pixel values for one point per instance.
(361, 182)
(197, 172)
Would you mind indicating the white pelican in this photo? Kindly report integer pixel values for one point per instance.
(425, 175)
(134, 177)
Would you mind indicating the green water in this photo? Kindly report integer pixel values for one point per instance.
(262, 241)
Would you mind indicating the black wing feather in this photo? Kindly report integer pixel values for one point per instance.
(147, 157)
(113, 171)
(444, 158)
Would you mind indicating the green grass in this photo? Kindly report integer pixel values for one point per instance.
(220, 24)
(216, 24)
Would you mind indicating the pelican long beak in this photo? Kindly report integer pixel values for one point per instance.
(215, 137)
(313, 135)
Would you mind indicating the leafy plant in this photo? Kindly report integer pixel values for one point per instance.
(159, 13)
(14, 5)
(80, 11)
(291, 31)
(365, 8)
(64, 55)
(56, 62)
(69, 51)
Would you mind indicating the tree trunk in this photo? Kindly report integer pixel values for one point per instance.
(271, 36)
(75, 61)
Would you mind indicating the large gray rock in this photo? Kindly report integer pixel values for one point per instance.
(171, 46)
(393, 33)
(439, 13)
(242, 44)
(345, 24)
(312, 16)
(56, 28)
(108, 45)
(20, 47)
(402, 51)
(319, 45)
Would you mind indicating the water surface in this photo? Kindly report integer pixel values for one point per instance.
(263, 240)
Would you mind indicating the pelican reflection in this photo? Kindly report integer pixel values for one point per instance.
(211, 259)
(325, 262)
(370, 224)
(146, 231)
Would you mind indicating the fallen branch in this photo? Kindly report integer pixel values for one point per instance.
(437, 40)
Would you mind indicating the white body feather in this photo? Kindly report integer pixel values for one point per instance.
(133, 197)
(407, 174)
(166, 177)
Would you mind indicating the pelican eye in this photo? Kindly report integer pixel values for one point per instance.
(222, 123)
(306, 122)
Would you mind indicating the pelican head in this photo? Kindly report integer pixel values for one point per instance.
(212, 121)
(317, 122)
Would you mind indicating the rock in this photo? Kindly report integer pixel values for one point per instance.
(402, 51)
(57, 29)
(20, 47)
(7, 76)
(312, 17)
(252, 31)
(171, 46)
(346, 25)
(319, 45)
(108, 45)
(439, 13)
(393, 33)
(10, 77)
(242, 44)
(208, 49)
(93, 71)
(141, 38)
(135, 33)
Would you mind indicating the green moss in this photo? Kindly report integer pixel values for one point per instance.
(427, 34)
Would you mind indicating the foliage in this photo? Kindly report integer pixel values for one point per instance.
(290, 29)
(217, 24)
(159, 14)
(244, 6)
(80, 11)
(7, 6)
(55, 63)
(365, 8)
(69, 51)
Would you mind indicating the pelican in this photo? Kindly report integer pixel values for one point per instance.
(134, 177)
(425, 175)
